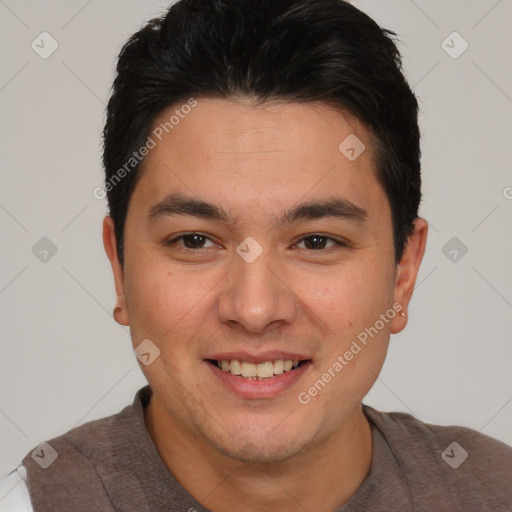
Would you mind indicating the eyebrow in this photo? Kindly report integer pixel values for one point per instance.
(177, 204)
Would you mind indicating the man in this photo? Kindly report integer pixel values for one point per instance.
(263, 176)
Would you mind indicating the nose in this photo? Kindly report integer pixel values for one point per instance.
(256, 296)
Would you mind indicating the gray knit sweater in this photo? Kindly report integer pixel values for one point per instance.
(112, 464)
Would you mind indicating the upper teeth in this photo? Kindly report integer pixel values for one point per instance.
(261, 370)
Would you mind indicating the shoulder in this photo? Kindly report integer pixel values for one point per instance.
(83, 458)
(409, 429)
(82, 442)
(90, 442)
(472, 464)
(79, 459)
(93, 440)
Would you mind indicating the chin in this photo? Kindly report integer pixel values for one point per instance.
(256, 445)
(261, 453)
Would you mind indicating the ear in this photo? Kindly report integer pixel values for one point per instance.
(110, 244)
(408, 271)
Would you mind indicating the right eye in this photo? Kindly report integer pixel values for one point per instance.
(191, 241)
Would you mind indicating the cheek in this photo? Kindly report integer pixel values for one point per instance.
(162, 300)
(346, 297)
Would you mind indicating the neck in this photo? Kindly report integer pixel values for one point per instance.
(334, 468)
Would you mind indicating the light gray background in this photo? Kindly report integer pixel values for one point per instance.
(64, 360)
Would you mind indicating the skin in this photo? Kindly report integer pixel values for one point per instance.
(229, 452)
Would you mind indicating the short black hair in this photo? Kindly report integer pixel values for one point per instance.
(292, 50)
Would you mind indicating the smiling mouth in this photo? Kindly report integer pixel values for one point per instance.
(258, 371)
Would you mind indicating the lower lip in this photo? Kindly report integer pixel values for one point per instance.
(259, 388)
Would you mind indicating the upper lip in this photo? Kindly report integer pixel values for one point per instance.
(262, 357)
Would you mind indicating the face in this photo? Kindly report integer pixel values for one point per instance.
(254, 245)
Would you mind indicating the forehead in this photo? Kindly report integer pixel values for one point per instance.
(222, 126)
(267, 155)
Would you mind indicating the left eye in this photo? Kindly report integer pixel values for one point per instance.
(318, 242)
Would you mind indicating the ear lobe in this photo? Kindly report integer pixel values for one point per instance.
(407, 271)
(110, 244)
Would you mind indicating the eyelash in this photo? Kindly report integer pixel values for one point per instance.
(173, 241)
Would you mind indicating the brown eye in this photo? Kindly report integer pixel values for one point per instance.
(190, 241)
(318, 242)
(193, 241)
